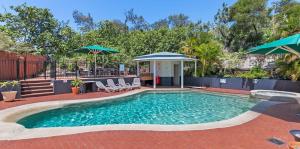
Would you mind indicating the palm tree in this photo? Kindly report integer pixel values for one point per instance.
(208, 54)
(189, 45)
(289, 67)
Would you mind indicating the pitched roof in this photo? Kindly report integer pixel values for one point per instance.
(163, 56)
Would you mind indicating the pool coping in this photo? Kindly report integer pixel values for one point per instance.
(10, 130)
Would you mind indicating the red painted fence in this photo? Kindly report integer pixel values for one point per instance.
(14, 66)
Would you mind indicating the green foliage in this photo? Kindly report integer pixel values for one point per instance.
(85, 22)
(8, 44)
(76, 83)
(246, 23)
(229, 76)
(285, 20)
(5, 41)
(136, 22)
(179, 20)
(208, 54)
(242, 25)
(28, 23)
(163, 23)
(188, 46)
(288, 67)
(36, 27)
(254, 73)
(9, 85)
(231, 60)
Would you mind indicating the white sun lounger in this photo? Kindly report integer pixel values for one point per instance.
(111, 84)
(124, 84)
(136, 83)
(101, 86)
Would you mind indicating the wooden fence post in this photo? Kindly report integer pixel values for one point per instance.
(45, 69)
(25, 67)
(18, 69)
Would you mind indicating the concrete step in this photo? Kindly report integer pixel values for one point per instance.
(34, 81)
(36, 84)
(36, 87)
(24, 92)
(37, 94)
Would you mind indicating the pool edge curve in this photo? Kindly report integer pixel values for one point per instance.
(10, 130)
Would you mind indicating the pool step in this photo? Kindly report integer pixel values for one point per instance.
(35, 88)
(37, 94)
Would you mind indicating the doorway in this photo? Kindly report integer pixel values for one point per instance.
(176, 75)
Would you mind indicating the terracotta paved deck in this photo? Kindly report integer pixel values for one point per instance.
(277, 121)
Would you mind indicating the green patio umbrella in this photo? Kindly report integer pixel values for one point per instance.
(97, 49)
(289, 44)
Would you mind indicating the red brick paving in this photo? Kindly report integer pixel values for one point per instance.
(277, 121)
(23, 101)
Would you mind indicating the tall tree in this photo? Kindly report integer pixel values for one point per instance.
(136, 22)
(251, 17)
(30, 26)
(28, 23)
(286, 20)
(242, 25)
(222, 27)
(85, 22)
(163, 23)
(178, 20)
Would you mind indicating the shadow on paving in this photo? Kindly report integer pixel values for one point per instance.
(284, 108)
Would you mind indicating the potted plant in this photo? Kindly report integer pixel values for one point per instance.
(76, 86)
(9, 95)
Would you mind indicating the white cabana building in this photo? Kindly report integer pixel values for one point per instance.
(168, 66)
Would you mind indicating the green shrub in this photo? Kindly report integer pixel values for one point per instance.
(228, 76)
(255, 73)
(76, 83)
(288, 67)
(9, 84)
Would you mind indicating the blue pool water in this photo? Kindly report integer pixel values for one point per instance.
(154, 107)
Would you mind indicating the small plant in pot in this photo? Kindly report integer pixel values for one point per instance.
(9, 94)
(76, 83)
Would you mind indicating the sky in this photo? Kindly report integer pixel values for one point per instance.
(151, 10)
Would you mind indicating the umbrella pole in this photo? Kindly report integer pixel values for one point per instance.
(95, 64)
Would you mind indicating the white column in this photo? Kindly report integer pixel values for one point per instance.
(195, 68)
(154, 74)
(181, 74)
(137, 68)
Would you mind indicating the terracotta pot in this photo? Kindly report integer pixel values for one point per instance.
(9, 96)
(75, 90)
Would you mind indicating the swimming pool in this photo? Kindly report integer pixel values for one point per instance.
(150, 107)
